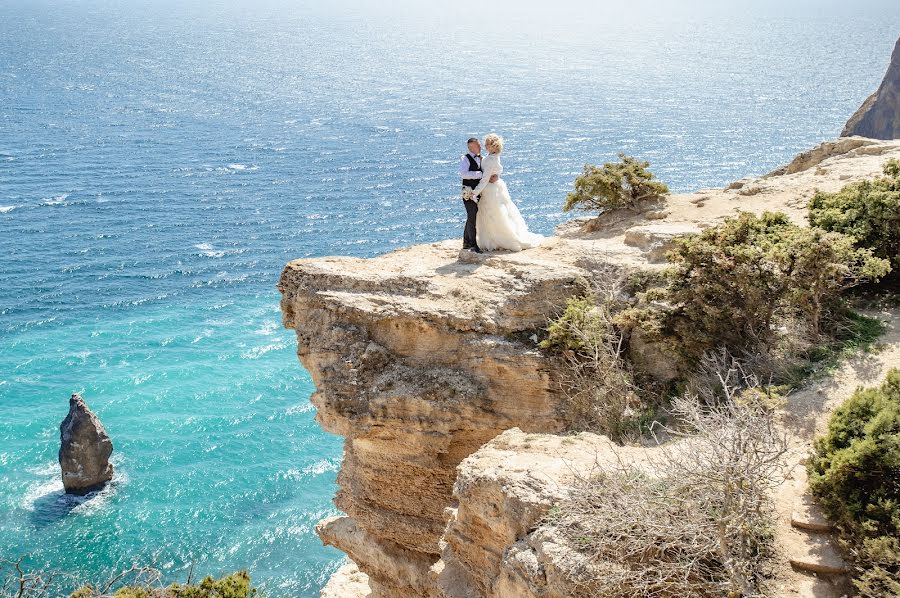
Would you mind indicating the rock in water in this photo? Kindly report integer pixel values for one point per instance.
(879, 116)
(84, 450)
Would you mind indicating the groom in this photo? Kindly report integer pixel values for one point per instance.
(470, 172)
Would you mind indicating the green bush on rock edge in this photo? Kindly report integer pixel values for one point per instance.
(236, 585)
(742, 283)
(855, 474)
(867, 211)
(615, 185)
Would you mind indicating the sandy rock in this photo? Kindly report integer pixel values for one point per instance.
(418, 360)
(504, 490)
(820, 153)
(347, 582)
(655, 240)
(879, 115)
(652, 357)
(84, 450)
(735, 185)
(391, 569)
(647, 209)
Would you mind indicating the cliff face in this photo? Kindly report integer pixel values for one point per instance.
(423, 361)
(418, 360)
(879, 115)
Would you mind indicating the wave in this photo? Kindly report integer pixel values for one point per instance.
(241, 167)
(257, 352)
(322, 466)
(267, 329)
(208, 250)
(54, 201)
(7, 209)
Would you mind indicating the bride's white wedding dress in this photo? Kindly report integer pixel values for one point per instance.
(499, 225)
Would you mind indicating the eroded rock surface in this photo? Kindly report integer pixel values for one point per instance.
(494, 544)
(84, 450)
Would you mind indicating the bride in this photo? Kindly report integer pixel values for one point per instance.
(499, 225)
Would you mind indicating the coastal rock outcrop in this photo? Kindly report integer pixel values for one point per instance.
(84, 449)
(418, 360)
(424, 359)
(879, 115)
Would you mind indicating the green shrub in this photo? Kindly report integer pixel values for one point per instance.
(236, 585)
(736, 284)
(867, 211)
(615, 185)
(586, 349)
(855, 474)
(568, 331)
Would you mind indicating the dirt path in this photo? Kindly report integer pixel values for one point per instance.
(805, 417)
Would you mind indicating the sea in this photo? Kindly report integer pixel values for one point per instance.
(160, 162)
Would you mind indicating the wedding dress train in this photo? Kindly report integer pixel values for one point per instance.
(499, 224)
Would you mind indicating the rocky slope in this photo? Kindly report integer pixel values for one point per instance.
(423, 360)
(879, 115)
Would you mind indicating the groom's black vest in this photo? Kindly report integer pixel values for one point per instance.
(473, 166)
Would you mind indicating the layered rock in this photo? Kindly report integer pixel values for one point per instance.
(84, 449)
(423, 355)
(494, 544)
(418, 360)
(879, 115)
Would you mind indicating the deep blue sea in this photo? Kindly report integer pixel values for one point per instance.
(160, 161)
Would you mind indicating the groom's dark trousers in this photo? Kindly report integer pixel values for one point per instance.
(469, 238)
(469, 233)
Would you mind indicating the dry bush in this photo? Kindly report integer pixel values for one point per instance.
(594, 376)
(694, 521)
(18, 582)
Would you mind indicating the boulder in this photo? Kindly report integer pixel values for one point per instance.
(879, 116)
(84, 449)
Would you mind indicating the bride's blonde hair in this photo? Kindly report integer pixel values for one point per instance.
(493, 143)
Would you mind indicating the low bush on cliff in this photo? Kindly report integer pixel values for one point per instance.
(695, 521)
(17, 581)
(855, 473)
(595, 377)
(753, 285)
(624, 184)
(236, 585)
(867, 211)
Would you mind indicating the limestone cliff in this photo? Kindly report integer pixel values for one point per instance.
(879, 115)
(424, 361)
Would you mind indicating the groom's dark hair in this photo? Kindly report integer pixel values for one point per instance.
(471, 139)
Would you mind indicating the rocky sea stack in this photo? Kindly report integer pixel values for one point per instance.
(879, 116)
(84, 449)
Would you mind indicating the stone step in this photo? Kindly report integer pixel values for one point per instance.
(816, 553)
(808, 515)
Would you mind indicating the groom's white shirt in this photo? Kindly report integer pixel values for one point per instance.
(464, 171)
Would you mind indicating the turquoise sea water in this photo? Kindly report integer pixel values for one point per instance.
(159, 163)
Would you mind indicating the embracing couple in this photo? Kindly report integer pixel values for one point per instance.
(493, 220)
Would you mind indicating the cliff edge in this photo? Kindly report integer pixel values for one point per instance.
(424, 360)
